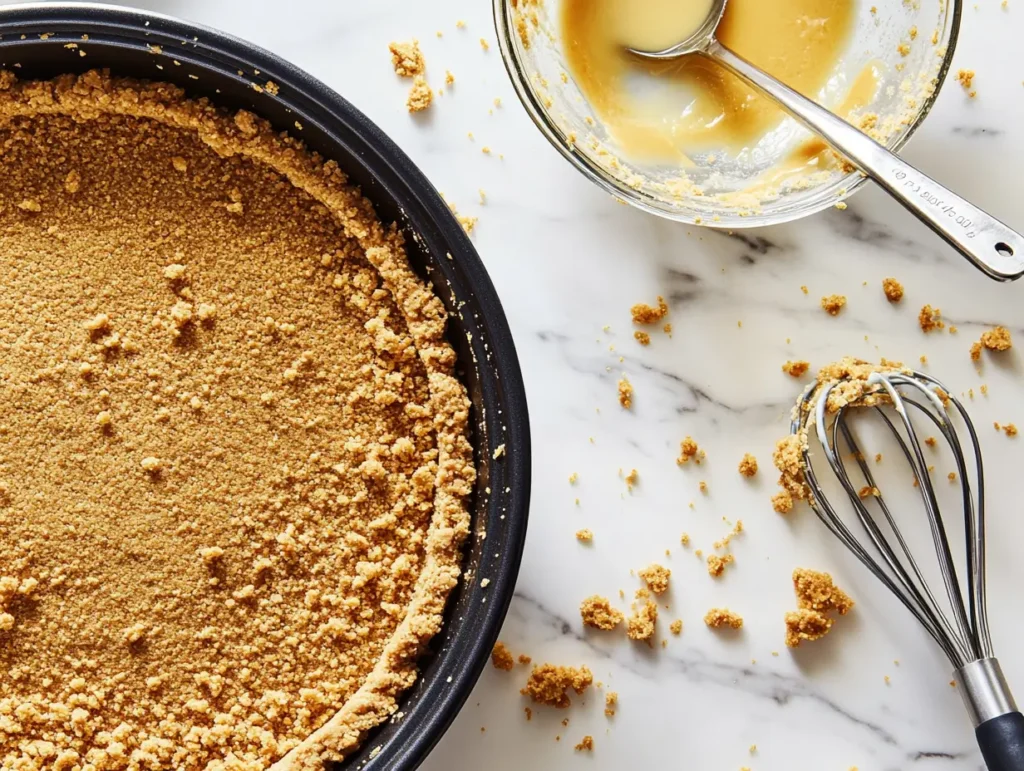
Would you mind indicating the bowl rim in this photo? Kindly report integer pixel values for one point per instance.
(502, 415)
(504, 28)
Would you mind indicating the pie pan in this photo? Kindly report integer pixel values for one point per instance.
(232, 74)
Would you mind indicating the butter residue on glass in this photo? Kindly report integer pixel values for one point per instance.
(667, 110)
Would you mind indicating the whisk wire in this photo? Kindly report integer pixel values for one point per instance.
(919, 588)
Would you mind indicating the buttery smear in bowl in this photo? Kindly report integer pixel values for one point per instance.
(688, 140)
(671, 109)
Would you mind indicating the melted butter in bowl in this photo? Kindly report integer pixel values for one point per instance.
(672, 110)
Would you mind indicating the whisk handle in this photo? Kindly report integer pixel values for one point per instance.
(1001, 740)
(998, 724)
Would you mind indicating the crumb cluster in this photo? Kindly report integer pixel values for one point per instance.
(748, 465)
(502, 658)
(717, 618)
(995, 339)
(688, 450)
(597, 612)
(625, 394)
(833, 303)
(930, 319)
(816, 595)
(549, 683)
(796, 368)
(656, 577)
(235, 455)
(646, 314)
(893, 290)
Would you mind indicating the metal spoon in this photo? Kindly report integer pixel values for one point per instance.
(988, 243)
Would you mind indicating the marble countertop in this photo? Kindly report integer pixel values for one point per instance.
(568, 263)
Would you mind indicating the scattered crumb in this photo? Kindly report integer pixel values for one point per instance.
(684, 539)
(632, 478)
(893, 290)
(485, 45)
(587, 744)
(717, 618)
(748, 465)
(501, 657)
(646, 314)
(804, 289)
(930, 319)
(625, 393)
(584, 535)
(997, 339)
(833, 303)
(676, 627)
(611, 700)
(597, 612)
(641, 624)
(449, 79)
(817, 591)
(1010, 429)
(642, 337)
(656, 577)
(524, 659)
(420, 96)
(407, 59)
(703, 487)
(782, 502)
(806, 625)
(573, 478)
(548, 684)
(688, 450)
(965, 78)
(796, 368)
(716, 564)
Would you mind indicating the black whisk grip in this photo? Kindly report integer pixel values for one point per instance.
(1001, 740)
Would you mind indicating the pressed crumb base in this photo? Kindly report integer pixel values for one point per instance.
(234, 467)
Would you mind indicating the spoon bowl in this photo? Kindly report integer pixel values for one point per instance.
(700, 38)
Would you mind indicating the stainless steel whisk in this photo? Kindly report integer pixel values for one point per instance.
(962, 632)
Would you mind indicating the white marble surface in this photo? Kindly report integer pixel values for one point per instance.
(567, 261)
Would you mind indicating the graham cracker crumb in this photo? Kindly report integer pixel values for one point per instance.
(965, 78)
(584, 535)
(748, 465)
(407, 59)
(782, 502)
(597, 612)
(420, 97)
(524, 659)
(684, 539)
(716, 564)
(997, 339)
(716, 618)
(688, 450)
(501, 657)
(641, 624)
(656, 577)
(676, 627)
(833, 303)
(625, 393)
(893, 290)
(930, 319)
(796, 368)
(632, 479)
(549, 683)
(806, 625)
(817, 591)
(645, 314)
(642, 337)
(585, 745)
(1010, 429)
(611, 700)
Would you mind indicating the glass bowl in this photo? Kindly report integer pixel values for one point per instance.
(910, 45)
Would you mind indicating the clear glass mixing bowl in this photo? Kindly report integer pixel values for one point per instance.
(910, 42)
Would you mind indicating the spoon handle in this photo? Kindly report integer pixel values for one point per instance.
(992, 246)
